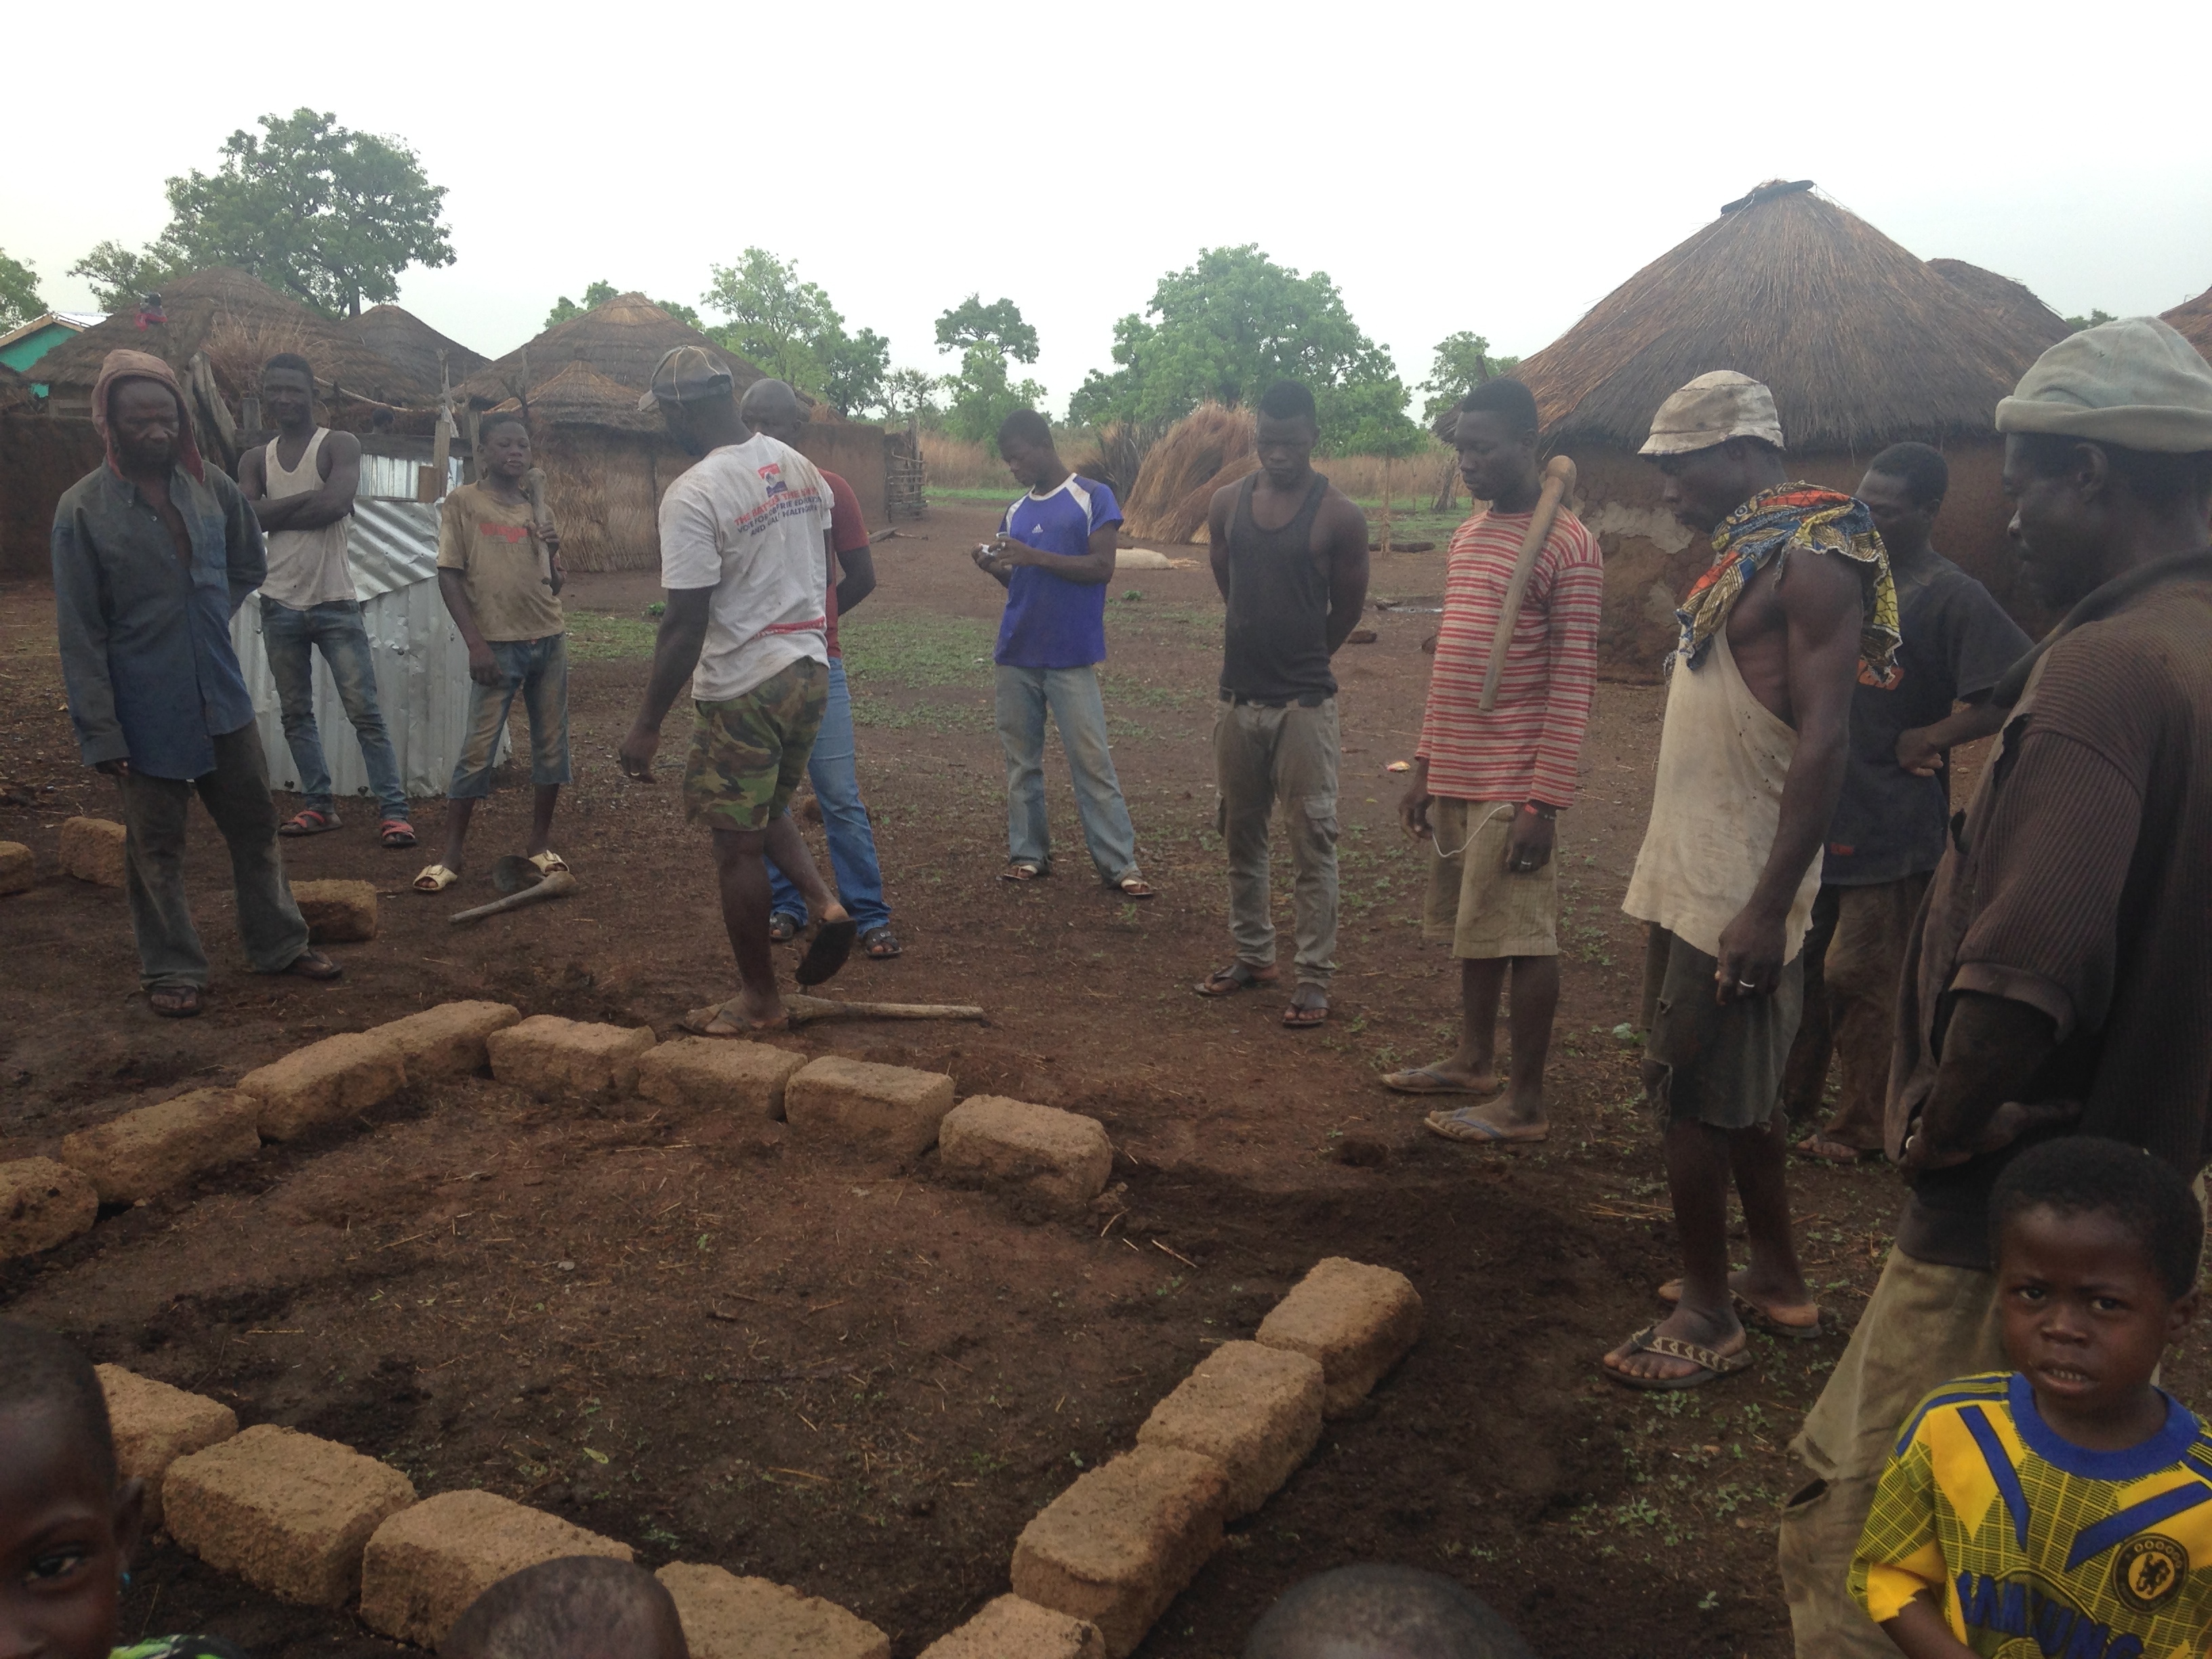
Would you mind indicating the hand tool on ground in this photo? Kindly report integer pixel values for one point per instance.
(559, 885)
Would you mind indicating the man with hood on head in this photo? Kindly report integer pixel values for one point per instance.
(153, 554)
(2058, 977)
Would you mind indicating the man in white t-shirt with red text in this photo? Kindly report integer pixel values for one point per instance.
(745, 558)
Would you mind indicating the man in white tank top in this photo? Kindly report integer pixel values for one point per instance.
(302, 485)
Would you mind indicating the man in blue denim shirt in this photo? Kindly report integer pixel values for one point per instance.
(152, 553)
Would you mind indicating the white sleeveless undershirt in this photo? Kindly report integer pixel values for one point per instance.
(306, 567)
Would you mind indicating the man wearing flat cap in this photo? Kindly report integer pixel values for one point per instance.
(1751, 761)
(2059, 976)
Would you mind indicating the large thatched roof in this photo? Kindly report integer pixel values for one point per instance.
(2194, 319)
(577, 397)
(240, 323)
(405, 340)
(1862, 343)
(2011, 305)
(621, 341)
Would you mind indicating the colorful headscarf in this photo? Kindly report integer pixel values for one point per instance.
(1768, 527)
(120, 365)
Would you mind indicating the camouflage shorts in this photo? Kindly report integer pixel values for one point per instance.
(749, 753)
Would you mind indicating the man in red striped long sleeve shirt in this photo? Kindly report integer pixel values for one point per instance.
(1487, 788)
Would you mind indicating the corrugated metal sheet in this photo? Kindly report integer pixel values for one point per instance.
(422, 666)
(394, 477)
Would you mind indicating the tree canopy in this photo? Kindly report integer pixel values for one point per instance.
(1228, 326)
(984, 392)
(565, 309)
(972, 322)
(326, 215)
(1462, 361)
(790, 329)
(19, 292)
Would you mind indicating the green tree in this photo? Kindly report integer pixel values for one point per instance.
(1230, 324)
(909, 392)
(2077, 324)
(19, 292)
(1462, 362)
(789, 328)
(326, 215)
(565, 309)
(972, 322)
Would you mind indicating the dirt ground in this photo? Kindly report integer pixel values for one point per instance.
(715, 1347)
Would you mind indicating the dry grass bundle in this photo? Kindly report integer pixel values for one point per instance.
(1116, 456)
(1862, 342)
(1209, 447)
(951, 463)
(2194, 319)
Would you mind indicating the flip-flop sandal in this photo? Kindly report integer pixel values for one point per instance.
(1461, 1125)
(1228, 981)
(881, 944)
(313, 964)
(547, 862)
(174, 1001)
(435, 878)
(783, 927)
(396, 833)
(1024, 869)
(1135, 887)
(1752, 1313)
(833, 944)
(1819, 1145)
(1305, 1016)
(312, 822)
(1711, 1366)
(1433, 1082)
(717, 1021)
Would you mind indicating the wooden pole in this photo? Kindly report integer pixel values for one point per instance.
(1386, 501)
(1559, 484)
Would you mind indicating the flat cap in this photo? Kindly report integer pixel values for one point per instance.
(686, 374)
(1711, 409)
(2135, 384)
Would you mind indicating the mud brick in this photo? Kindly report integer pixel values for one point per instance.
(156, 1148)
(878, 1111)
(425, 1565)
(1119, 1545)
(727, 1616)
(1063, 1157)
(155, 1424)
(92, 850)
(42, 1204)
(1255, 1411)
(718, 1074)
(286, 1511)
(556, 1059)
(1357, 1320)
(1011, 1627)
(447, 1041)
(325, 1082)
(18, 868)
(337, 911)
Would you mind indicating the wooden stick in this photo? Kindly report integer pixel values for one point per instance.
(559, 885)
(1559, 484)
(803, 1009)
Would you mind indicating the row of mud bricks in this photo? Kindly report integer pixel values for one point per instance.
(314, 1522)
(880, 1113)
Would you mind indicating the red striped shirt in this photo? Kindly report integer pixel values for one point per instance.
(1526, 748)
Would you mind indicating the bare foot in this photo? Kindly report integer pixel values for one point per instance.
(1724, 1335)
(1783, 1304)
(1446, 1077)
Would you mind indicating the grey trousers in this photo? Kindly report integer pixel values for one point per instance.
(1262, 756)
(236, 796)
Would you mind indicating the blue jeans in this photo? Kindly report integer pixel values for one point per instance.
(291, 637)
(1071, 695)
(844, 817)
(539, 669)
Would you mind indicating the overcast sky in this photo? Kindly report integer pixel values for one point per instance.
(1452, 168)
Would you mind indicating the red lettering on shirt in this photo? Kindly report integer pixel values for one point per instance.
(505, 532)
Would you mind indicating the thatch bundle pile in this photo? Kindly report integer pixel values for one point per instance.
(1117, 457)
(2193, 318)
(1211, 446)
(409, 343)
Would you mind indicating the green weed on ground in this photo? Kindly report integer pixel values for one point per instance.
(604, 637)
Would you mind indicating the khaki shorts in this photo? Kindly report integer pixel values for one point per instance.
(1473, 900)
(749, 753)
(1714, 1063)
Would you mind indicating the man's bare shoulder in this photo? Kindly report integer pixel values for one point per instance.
(341, 446)
(1341, 516)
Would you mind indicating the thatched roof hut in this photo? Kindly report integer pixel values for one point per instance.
(240, 323)
(620, 342)
(1862, 343)
(2013, 306)
(2193, 318)
(410, 344)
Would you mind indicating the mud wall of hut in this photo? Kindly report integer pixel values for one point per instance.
(1650, 560)
(40, 457)
(855, 453)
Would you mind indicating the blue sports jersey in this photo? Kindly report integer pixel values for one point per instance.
(1050, 622)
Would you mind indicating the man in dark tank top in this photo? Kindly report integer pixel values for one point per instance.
(1290, 556)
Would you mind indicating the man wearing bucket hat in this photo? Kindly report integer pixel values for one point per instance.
(1751, 760)
(744, 556)
(2059, 975)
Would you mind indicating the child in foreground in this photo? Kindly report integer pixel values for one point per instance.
(67, 1526)
(2064, 1507)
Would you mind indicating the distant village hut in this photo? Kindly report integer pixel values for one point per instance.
(1864, 344)
(413, 347)
(2193, 318)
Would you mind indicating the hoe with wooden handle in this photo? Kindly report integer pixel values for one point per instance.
(518, 879)
(1559, 484)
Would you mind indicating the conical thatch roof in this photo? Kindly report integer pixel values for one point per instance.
(1862, 342)
(406, 341)
(577, 397)
(2011, 305)
(240, 323)
(621, 341)
(2194, 319)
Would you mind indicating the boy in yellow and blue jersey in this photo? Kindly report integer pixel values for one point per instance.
(2062, 1510)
